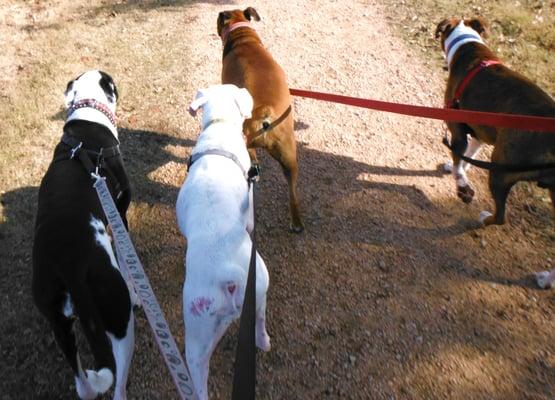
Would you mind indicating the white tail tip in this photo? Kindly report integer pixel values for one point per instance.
(100, 381)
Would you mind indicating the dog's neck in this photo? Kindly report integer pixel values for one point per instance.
(93, 111)
(462, 34)
(232, 27)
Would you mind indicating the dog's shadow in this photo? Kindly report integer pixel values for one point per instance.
(143, 153)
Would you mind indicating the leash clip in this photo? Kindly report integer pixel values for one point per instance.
(253, 175)
(74, 150)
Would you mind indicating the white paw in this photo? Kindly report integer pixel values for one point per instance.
(448, 166)
(544, 280)
(100, 381)
(263, 341)
(84, 390)
(484, 215)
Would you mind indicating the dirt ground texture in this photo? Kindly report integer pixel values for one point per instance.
(394, 291)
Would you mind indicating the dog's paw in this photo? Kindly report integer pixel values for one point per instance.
(263, 341)
(84, 389)
(465, 193)
(485, 216)
(296, 228)
(545, 280)
(448, 166)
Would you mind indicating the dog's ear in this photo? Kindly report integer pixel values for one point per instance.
(108, 86)
(199, 101)
(69, 94)
(479, 25)
(244, 101)
(444, 27)
(223, 18)
(250, 12)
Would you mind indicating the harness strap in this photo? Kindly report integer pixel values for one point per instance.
(464, 83)
(87, 155)
(252, 173)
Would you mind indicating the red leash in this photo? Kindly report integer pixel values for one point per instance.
(527, 122)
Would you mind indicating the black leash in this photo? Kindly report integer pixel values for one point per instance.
(244, 376)
(496, 166)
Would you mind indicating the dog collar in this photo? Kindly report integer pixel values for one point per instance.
(96, 105)
(232, 27)
(462, 34)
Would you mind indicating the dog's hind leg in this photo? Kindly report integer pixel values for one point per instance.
(286, 155)
(262, 282)
(112, 300)
(500, 185)
(122, 349)
(546, 279)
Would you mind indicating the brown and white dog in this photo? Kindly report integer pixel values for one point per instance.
(479, 81)
(246, 63)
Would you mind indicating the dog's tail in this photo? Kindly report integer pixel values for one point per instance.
(93, 327)
(264, 119)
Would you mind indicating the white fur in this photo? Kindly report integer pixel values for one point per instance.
(461, 29)
(472, 150)
(546, 279)
(214, 212)
(67, 308)
(90, 384)
(123, 351)
(484, 215)
(87, 87)
(103, 240)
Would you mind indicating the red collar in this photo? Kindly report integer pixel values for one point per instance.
(464, 83)
(232, 27)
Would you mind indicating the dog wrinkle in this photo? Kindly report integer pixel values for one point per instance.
(201, 305)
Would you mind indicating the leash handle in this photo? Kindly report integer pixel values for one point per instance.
(244, 376)
(131, 267)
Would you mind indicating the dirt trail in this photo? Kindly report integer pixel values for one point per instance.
(393, 292)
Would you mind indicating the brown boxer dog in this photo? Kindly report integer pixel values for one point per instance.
(479, 81)
(246, 63)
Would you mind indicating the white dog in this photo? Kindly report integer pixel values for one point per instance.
(215, 214)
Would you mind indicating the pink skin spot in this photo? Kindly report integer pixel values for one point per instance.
(200, 305)
(231, 288)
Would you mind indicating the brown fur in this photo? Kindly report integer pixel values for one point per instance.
(248, 64)
(498, 89)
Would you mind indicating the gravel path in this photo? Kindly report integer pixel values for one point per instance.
(393, 291)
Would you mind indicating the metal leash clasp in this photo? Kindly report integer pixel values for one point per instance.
(74, 150)
(253, 175)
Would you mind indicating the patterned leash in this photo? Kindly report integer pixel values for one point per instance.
(133, 271)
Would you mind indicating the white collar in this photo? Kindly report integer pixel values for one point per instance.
(462, 34)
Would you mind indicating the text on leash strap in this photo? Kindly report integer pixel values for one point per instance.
(131, 267)
(527, 122)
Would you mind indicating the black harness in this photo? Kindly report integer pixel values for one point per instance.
(86, 157)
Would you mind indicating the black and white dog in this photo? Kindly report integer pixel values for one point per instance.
(75, 271)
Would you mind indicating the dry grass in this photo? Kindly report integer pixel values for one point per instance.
(522, 32)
